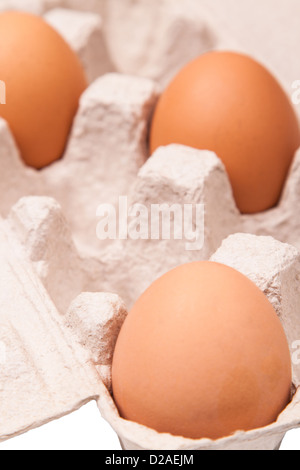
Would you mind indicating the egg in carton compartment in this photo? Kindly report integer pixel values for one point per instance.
(54, 363)
(113, 120)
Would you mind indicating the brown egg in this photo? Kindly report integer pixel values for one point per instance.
(230, 104)
(202, 354)
(44, 80)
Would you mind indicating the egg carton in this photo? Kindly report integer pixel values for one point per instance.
(52, 364)
(50, 251)
(108, 142)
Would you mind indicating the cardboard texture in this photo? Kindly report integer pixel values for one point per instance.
(64, 293)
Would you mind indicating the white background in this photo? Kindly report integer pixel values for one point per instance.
(86, 430)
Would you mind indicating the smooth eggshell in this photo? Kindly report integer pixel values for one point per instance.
(202, 354)
(230, 104)
(44, 80)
